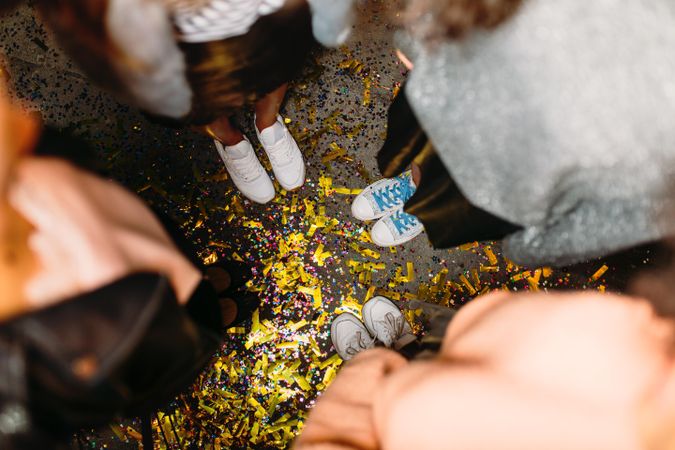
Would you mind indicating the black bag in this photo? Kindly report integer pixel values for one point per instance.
(124, 349)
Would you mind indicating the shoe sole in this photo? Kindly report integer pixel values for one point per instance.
(259, 201)
(293, 187)
(395, 243)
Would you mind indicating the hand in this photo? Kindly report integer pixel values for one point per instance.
(343, 418)
(18, 132)
(89, 232)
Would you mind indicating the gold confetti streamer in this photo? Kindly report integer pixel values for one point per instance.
(599, 273)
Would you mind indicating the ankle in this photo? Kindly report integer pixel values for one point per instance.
(228, 135)
(229, 139)
(416, 174)
(265, 121)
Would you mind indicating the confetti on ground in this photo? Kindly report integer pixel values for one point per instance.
(311, 261)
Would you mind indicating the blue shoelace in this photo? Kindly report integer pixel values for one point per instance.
(395, 194)
(403, 221)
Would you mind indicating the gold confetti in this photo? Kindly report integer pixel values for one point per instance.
(334, 154)
(365, 251)
(475, 278)
(252, 224)
(468, 246)
(533, 281)
(369, 293)
(236, 330)
(490, 254)
(211, 258)
(467, 284)
(521, 276)
(320, 256)
(347, 191)
(367, 83)
(599, 273)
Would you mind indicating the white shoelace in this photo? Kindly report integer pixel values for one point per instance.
(392, 328)
(359, 343)
(281, 152)
(246, 168)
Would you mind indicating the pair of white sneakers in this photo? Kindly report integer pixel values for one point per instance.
(384, 200)
(382, 321)
(250, 177)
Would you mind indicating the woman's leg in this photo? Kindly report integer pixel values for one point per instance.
(416, 173)
(223, 130)
(267, 108)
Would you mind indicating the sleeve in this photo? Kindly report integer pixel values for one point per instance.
(443, 405)
(332, 21)
(591, 229)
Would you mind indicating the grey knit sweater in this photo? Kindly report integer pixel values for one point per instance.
(562, 120)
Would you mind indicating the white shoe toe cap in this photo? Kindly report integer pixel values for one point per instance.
(382, 235)
(291, 178)
(265, 197)
(361, 209)
(261, 192)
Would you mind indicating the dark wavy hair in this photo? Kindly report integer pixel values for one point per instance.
(224, 75)
(6, 5)
(230, 73)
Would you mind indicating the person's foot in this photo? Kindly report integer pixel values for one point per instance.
(284, 155)
(350, 337)
(246, 171)
(237, 310)
(395, 228)
(386, 322)
(382, 197)
(227, 276)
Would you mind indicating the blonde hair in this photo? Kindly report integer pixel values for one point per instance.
(437, 19)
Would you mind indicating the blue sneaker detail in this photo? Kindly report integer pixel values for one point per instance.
(395, 228)
(393, 195)
(383, 197)
(404, 222)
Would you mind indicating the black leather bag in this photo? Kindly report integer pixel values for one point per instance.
(124, 349)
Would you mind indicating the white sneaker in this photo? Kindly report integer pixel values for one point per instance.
(385, 321)
(350, 337)
(395, 228)
(246, 171)
(284, 154)
(383, 196)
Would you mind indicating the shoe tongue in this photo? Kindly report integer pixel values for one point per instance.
(272, 135)
(238, 151)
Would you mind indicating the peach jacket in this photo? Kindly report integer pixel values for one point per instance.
(516, 372)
